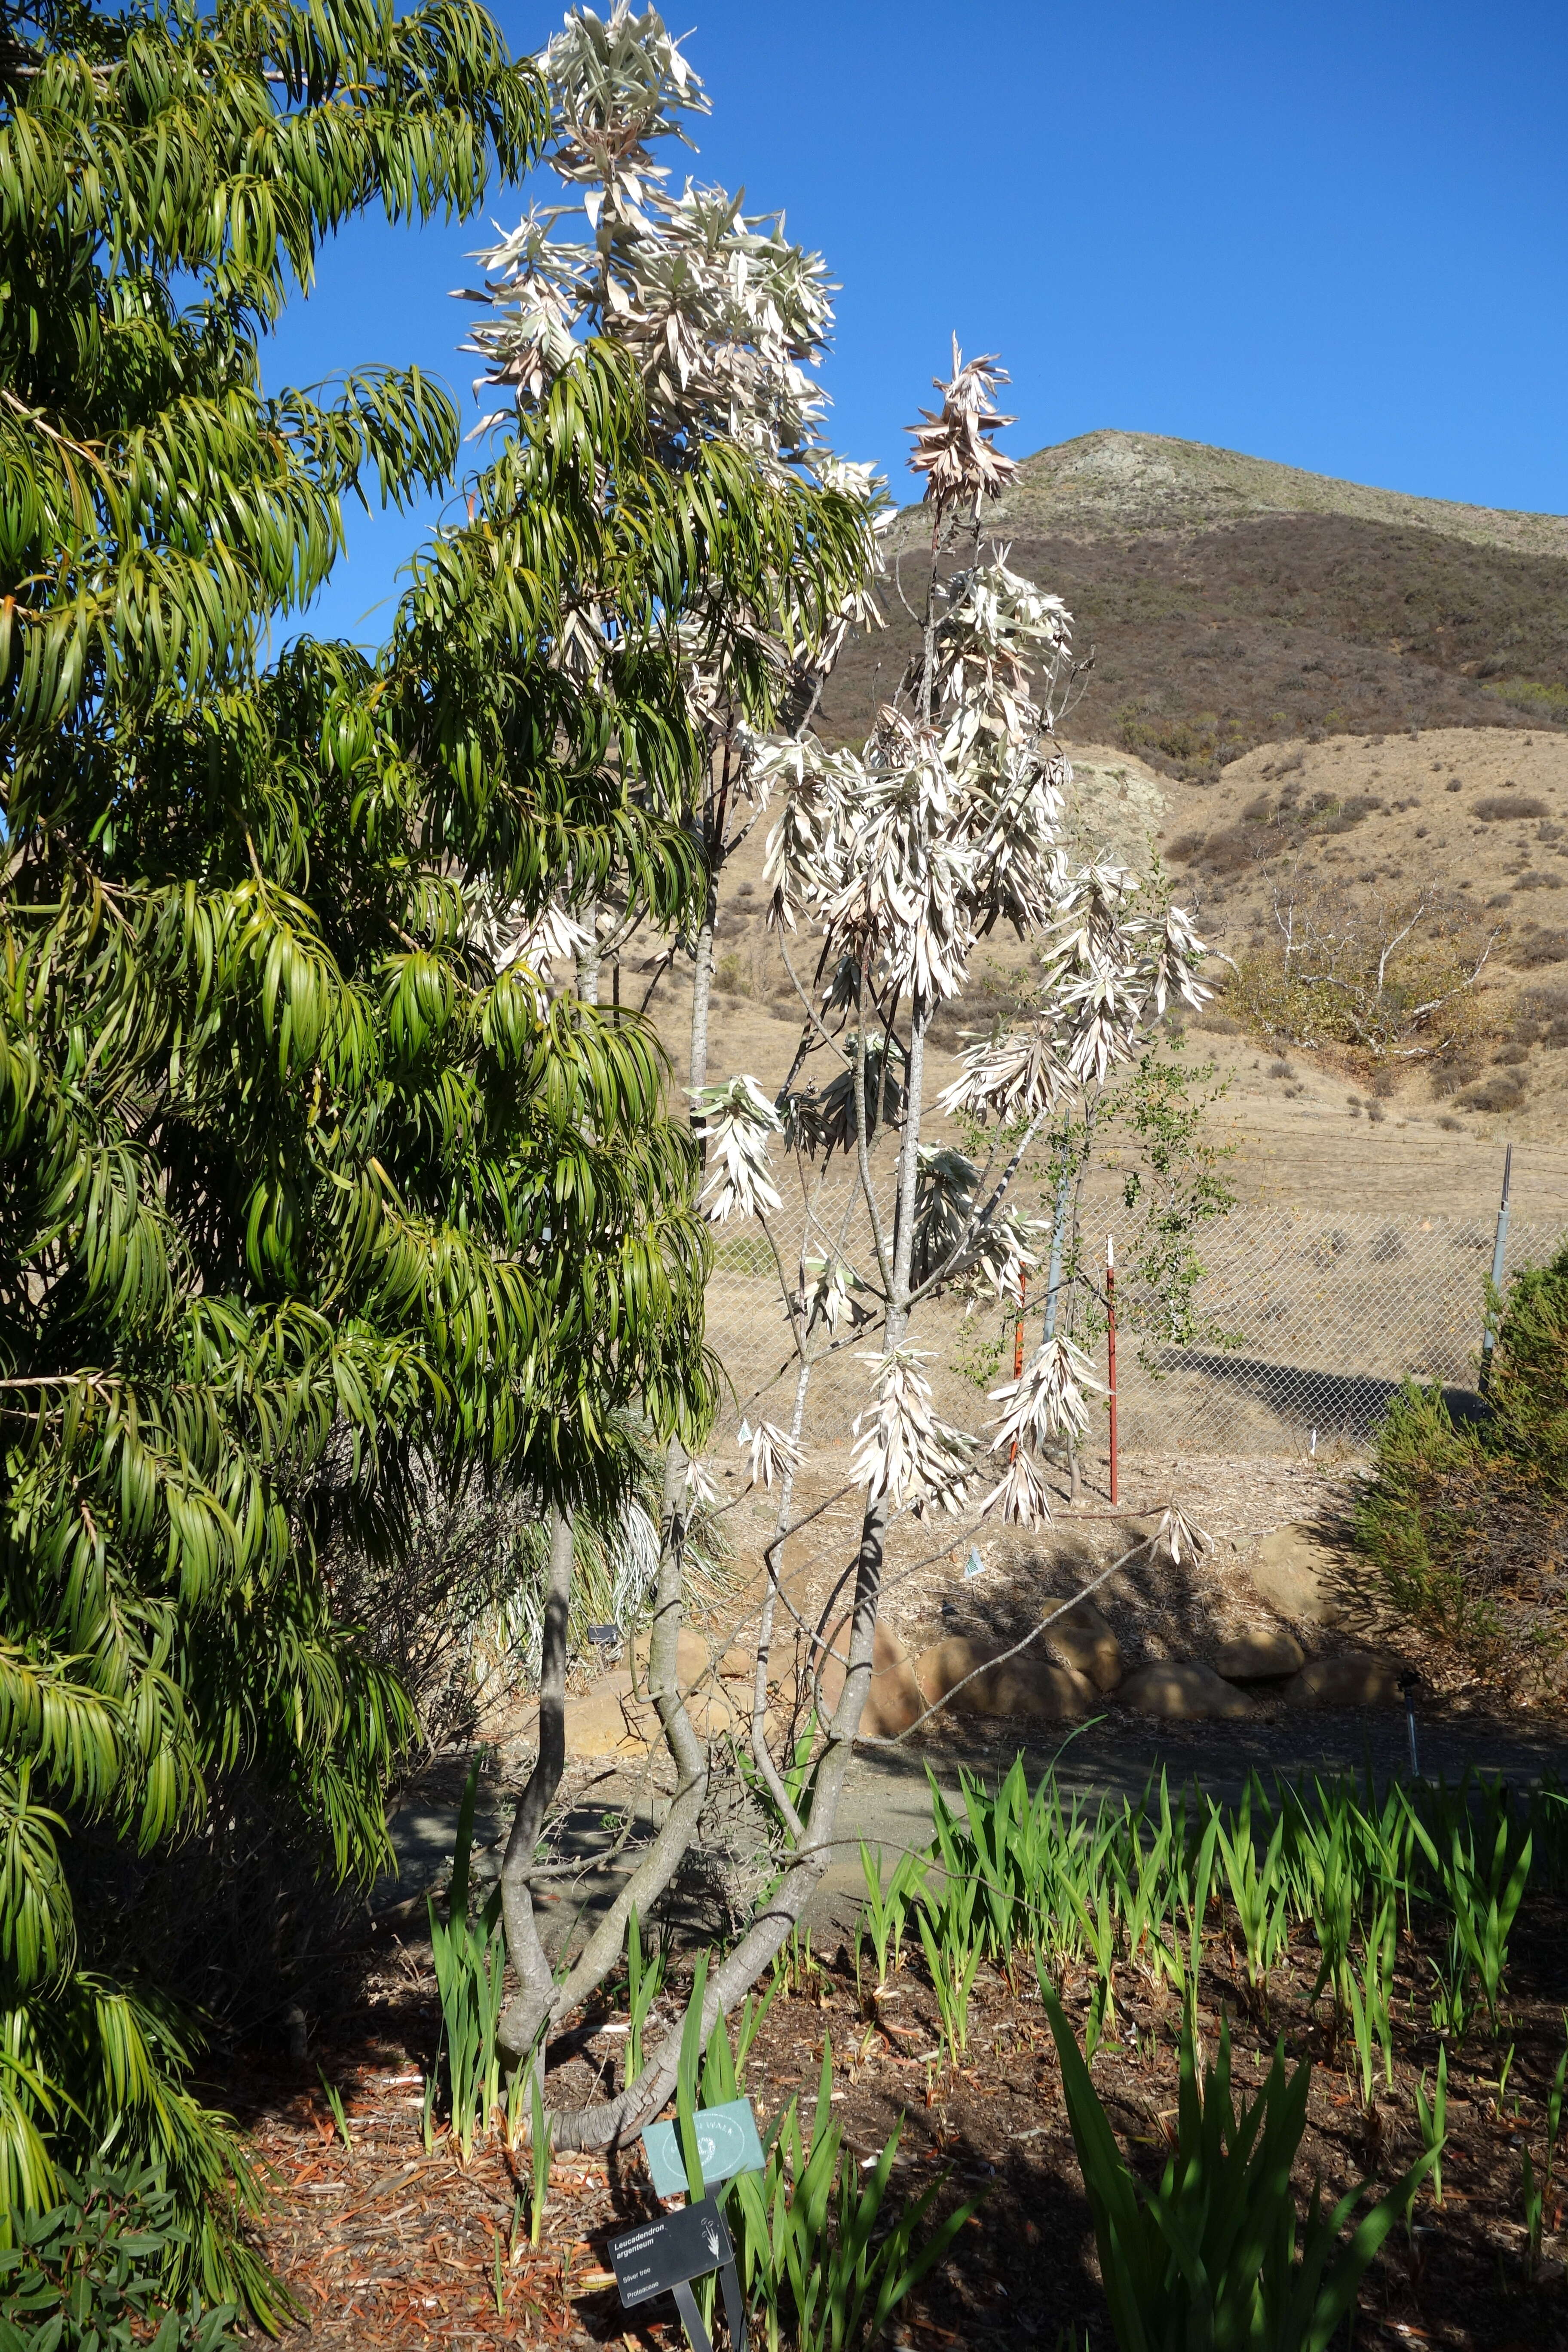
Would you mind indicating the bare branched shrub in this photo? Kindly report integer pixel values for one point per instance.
(457, 1610)
(1391, 977)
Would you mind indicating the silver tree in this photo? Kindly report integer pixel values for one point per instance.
(724, 319)
(896, 859)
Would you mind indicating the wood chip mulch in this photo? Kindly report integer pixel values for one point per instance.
(384, 2245)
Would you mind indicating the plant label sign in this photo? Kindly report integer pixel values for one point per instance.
(727, 2144)
(658, 2256)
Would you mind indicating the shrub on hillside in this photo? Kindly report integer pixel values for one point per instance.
(1541, 1016)
(1467, 1520)
(1503, 808)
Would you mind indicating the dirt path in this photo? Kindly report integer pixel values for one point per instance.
(991, 1585)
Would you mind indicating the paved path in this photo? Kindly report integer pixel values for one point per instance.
(888, 1797)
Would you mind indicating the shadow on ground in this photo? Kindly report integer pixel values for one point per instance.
(1336, 1404)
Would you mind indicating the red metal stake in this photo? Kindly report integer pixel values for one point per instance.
(1111, 1347)
(1018, 1343)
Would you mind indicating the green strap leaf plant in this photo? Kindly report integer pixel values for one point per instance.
(1213, 2258)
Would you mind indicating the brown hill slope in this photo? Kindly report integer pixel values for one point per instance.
(1480, 815)
(1105, 484)
(1232, 603)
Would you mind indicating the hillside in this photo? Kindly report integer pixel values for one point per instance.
(1108, 484)
(1230, 603)
(1300, 687)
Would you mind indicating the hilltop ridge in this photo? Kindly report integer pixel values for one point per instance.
(1232, 603)
(1106, 483)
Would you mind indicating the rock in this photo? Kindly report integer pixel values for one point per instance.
(1182, 1693)
(1038, 1687)
(693, 1658)
(1027, 1684)
(893, 1701)
(1300, 1575)
(1262, 1651)
(1082, 1640)
(737, 1666)
(946, 1664)
(716, 1712)
(1354, 1679)
(608, 1722)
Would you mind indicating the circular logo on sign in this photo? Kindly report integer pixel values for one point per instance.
(721, 2144)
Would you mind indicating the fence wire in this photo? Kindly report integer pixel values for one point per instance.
(1323, 1317)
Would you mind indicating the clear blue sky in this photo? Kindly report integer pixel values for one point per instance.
(1332, 235)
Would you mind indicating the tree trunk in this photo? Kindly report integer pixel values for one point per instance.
(760, 1752)
(646, 1882)
(614, 2119)
(702, 987)
(531, 2005)
(662, 1858)
(588, 961)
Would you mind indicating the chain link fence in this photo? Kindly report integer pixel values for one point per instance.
(1323, 1317)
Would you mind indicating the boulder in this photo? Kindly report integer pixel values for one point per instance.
(1038, 1687)
(1300, 1575)
(893, 1701)
(693, 1657)
(737, 1666)
(1354, 1679)
(1081, 1639)
(948, 1662)
(720, 1711)
(1262, 1651)
(1183, 1692)
(1026, 1685)
(608, 1721)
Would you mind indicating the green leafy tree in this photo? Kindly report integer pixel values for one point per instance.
(312, 1178)
(201, 1282)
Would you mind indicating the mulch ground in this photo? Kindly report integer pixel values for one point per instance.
(384, 2244)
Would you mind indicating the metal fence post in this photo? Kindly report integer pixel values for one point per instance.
(1499, 1253)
